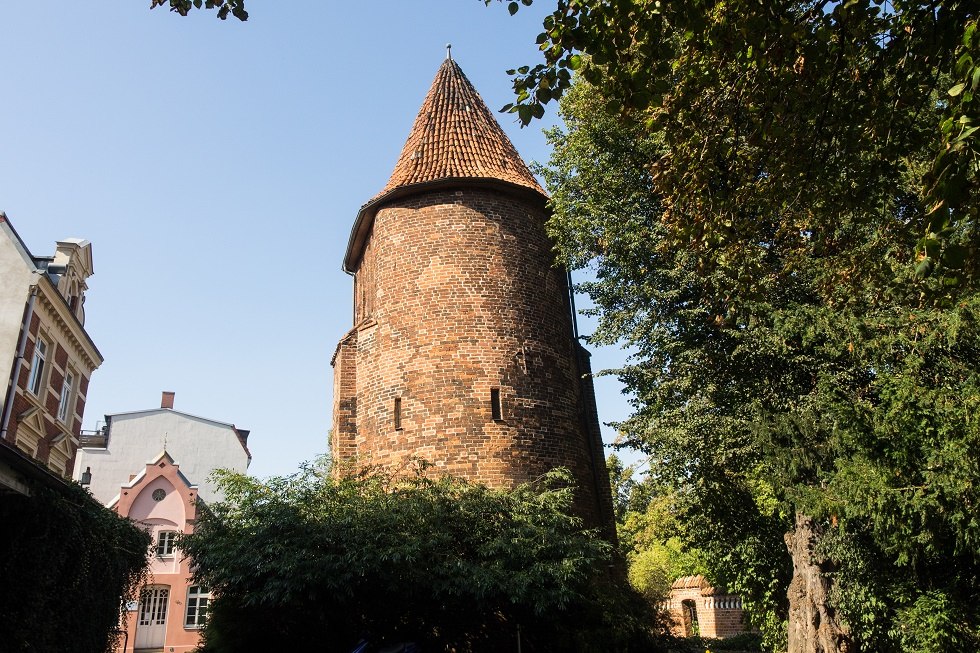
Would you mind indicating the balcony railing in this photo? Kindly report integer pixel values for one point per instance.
(93, 439)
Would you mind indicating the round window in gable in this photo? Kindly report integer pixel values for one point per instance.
(159, 494)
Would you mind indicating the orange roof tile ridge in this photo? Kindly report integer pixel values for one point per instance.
(456, 136)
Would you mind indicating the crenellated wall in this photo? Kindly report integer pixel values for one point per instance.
(715, 612)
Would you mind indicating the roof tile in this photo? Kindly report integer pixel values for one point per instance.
(456, 136)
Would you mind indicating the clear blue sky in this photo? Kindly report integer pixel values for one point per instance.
(217, 167)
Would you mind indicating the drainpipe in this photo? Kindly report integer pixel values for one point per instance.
(8, 405)
(353, 303)
(571, 303)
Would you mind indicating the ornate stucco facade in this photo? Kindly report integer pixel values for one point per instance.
(45, 352)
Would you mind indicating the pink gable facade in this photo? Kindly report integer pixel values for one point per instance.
(170, 611)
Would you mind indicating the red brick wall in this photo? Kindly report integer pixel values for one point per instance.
(345, 398)
(727, 617)
(20, 405)
(457, 294)
(718, 615)
(61, 356)
(58, 360)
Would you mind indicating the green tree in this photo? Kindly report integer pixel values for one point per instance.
(224, 8)
(649, 532)
(807, 108)
(655, 549)
(812, 400)
(315, 561)
(625, 488)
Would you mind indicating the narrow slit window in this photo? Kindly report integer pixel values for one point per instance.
(398, 412)
(495, 412)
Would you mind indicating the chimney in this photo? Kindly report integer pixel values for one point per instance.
(167, 401)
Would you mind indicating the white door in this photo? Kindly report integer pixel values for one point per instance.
(151, 623)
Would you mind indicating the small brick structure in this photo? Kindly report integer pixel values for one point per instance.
(463, 350)
(697, 608)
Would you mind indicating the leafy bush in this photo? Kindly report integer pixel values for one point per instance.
(316, 562)
(740, 642)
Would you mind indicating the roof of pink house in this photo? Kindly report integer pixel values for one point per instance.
(162, 460)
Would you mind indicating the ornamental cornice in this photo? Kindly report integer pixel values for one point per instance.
(57, 313)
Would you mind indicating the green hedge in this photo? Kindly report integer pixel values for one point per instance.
(741, 643)
(67, 564)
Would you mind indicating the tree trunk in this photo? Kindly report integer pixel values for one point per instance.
(813, 623)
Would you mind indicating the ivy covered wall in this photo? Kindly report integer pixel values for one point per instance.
(67, 566)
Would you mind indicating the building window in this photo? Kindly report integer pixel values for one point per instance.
(166, 543)
(495, 411)
(398, 413)
(64, 406)
(159, 494)
(198, 598)
(34, 383)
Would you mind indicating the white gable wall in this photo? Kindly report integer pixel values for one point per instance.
(198, 445)
(16, 277)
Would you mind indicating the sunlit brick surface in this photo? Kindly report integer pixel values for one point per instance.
(456, 294)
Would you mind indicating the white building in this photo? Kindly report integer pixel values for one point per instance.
(121, 450)
(152, 466)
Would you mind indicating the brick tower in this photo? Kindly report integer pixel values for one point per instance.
(463, 350)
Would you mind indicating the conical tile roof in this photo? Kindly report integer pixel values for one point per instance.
(456, 136)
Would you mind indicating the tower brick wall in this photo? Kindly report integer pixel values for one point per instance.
(457, 295)
(344, 398)
(463, 350)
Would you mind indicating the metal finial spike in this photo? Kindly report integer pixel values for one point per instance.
(449, 51)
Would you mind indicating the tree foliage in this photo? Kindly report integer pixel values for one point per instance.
(224, 8)
(808, 109)
(314, 561)
(649, 532)
(67, 567)
(778, 375)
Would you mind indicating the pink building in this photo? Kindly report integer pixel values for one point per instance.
(153, 466)
(171, 609)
